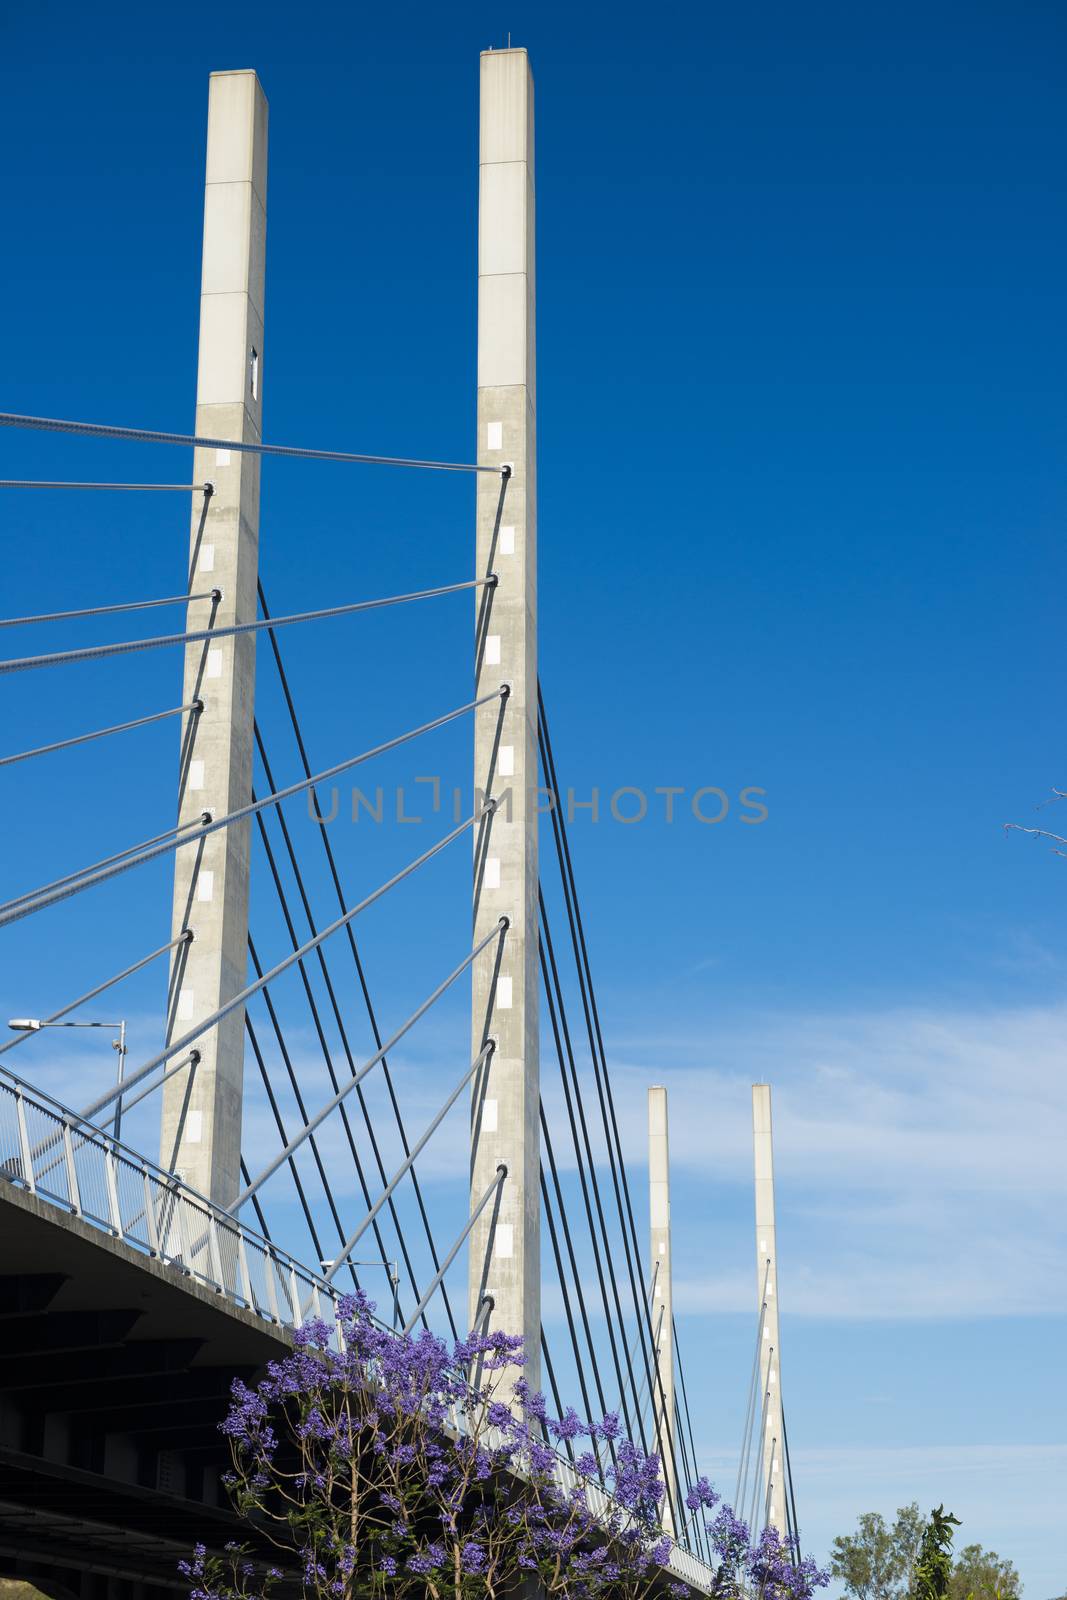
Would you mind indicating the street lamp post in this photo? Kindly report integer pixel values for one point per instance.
(35, 1024)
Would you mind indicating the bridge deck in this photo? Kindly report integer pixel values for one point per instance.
(114, 1373)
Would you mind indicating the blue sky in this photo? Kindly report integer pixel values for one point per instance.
(801, 346)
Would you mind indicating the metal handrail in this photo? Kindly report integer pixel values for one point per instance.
(156, 1212)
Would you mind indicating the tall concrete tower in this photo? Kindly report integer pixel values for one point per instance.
(659, 1200)
(505, 1249)
(770, 1447)
(201, 1118)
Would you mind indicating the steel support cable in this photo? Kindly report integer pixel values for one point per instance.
(142, 1094)
(604, 1090)
(195, 706)
(593, 1239)
(494, 1188)
(769, 1498)
(790, 1531)
(682, 1386)
(320, 956)
(568, 1240)
(51, 1140)
(687, 1529)
(695, 1530)
(484, 1298)
(640, 1390)
(298, 1096)
(693, 1527)
(554, 1386)
(657, 1415)
(789, 1479)
(642, 1312)
(688, 1417)
(686, 1464)
(482, 1317)
(48, 483)
(294, 1084)
(353, 946)
(109, 611)
(585, 983)
(405, 1166)
(651, 1399)
(758, 1474)
(742, 1463)
(153, 955)
(790, 1527)
(783, 1443)
(753, 1498)
(545, 946)
(741, 1489)
(324, 1046)
(260, 1218)
(280, 1125)
(499, 932)
(642, 1397)
(486, 1307)
(125, 647)
(754, 1389)
(579, 1365)
(633, 1346)
(245, 994)
(103, 430)
(485, 603)
(48, 889)
(101, 871)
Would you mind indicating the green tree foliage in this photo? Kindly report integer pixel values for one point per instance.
(933, 1569)
(983, 1575)
(875, 1562)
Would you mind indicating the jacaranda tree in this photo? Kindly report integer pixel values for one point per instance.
(391, 1467)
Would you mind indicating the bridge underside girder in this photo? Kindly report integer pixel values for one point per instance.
(114, 1376)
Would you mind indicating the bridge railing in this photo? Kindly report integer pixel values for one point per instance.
(50, 1151)
(55, 1155)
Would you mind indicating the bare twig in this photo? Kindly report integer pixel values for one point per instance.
(1039, 833)
(1043, 833)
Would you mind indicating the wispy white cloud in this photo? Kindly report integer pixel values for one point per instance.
(967, 1092)
(919, 1155)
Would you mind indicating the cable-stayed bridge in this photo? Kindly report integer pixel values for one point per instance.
(162, 1234)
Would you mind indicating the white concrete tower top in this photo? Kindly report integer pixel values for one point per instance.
(505, 1249)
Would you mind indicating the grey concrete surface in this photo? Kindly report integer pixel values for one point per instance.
(505, 756)
(200, 1133)
(659, 1204)
(769, 1399)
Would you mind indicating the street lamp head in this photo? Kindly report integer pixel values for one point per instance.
(24, 1024)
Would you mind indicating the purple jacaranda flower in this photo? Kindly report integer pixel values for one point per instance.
(409, 1434)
